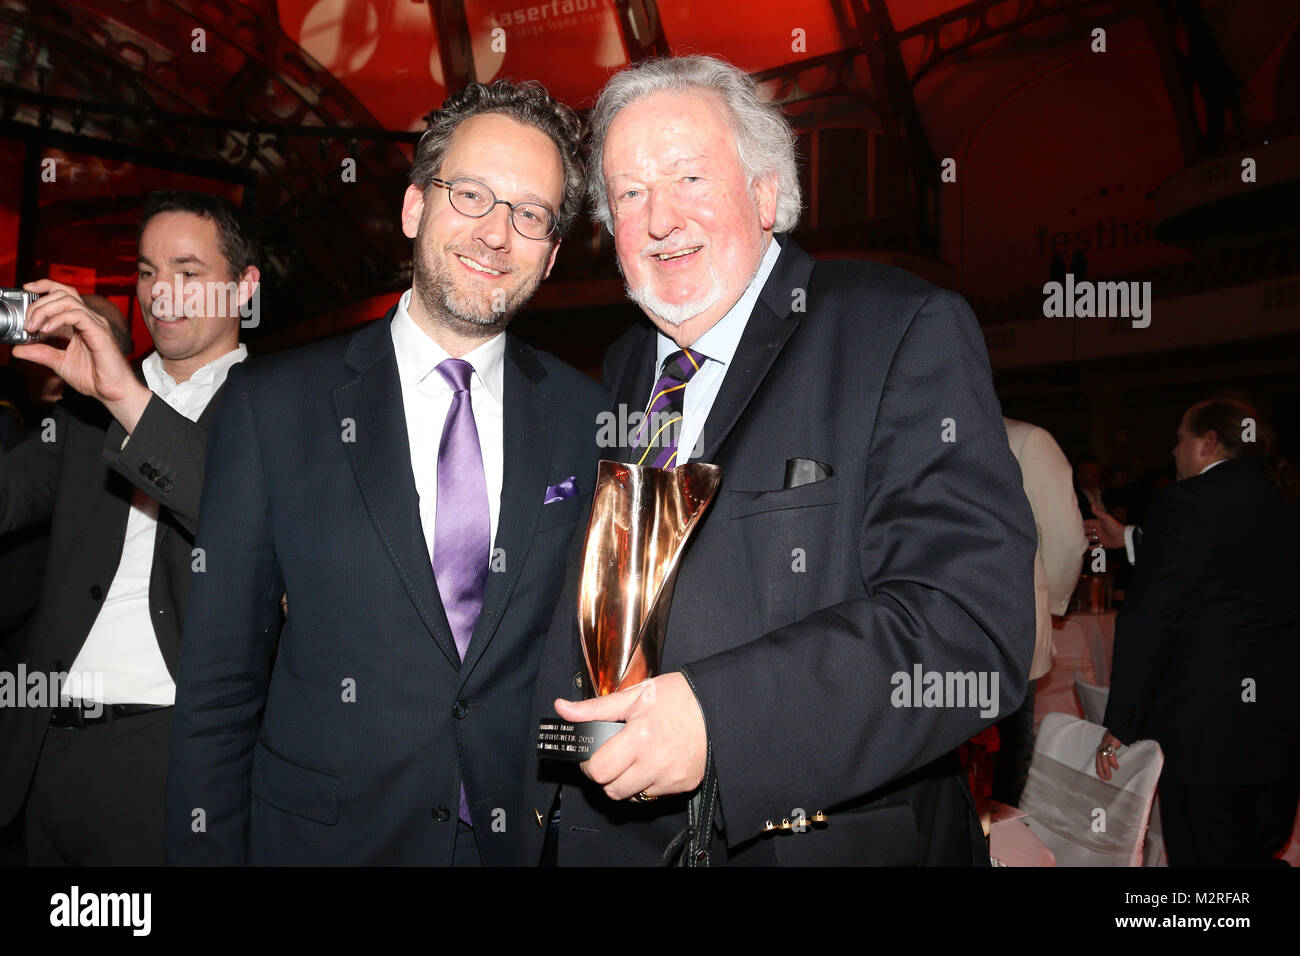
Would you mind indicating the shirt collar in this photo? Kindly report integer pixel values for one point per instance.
(212, 375)
(418, 355)
(1211, 465)
(720, 342)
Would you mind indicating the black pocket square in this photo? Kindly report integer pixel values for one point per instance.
(804, 471)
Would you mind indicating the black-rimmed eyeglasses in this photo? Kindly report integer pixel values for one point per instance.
(469, 197)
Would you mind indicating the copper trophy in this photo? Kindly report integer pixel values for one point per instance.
(641, 519)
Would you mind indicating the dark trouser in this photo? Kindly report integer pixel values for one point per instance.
(97, 794)
(1227, 826)
(465, 852)
(1016, 748)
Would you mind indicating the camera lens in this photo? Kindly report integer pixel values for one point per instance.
(13, 314)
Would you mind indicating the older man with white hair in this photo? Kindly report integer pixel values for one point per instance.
(859, 598)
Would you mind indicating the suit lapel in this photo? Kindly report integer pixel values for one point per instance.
(770, 323)
(528, 425)
(381, 461)
(632, 389)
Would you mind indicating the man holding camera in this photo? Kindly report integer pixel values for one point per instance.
(118, 470)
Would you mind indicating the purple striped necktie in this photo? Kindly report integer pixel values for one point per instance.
(462, 532)
(657, 437)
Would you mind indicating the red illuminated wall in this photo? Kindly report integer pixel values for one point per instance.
(11, 193)
(1064, 160)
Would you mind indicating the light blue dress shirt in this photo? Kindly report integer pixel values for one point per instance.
(719, 344)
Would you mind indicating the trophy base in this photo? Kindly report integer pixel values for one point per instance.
(560, 740)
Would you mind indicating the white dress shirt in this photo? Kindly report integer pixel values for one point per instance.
(121, 652)
(719, 345)
(1129, 548)
(426, 399)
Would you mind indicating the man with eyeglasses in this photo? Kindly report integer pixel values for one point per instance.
(412, 489)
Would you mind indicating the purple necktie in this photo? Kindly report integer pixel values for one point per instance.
(662, 426)
(462, 534)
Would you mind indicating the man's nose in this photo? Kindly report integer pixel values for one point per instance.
(664, 215)
(494, 229)
(149, 300)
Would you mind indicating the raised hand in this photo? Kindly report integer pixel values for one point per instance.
(93, 362)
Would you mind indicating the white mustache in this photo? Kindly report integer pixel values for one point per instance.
(668, 245)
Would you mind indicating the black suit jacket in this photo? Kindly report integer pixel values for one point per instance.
(1213, 604)
(351, 747)
(83, 481)
(795, 606)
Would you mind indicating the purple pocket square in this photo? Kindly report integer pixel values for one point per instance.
(563, 491)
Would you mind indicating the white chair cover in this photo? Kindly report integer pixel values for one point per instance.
(1093, 699)
(1063, 795)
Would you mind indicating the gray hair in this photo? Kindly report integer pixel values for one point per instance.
(764, 138)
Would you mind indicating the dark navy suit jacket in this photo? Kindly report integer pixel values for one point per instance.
(346, 740)
(1207, 644)
(795, 606)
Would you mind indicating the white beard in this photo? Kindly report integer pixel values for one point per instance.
(676, 314)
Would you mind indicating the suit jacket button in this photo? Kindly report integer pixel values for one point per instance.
(441, 814)
(96, 593)
(166, 484)
(577, 680)
(459, 709)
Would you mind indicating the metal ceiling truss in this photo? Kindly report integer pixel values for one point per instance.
(254, 99)
(455, 46)
(1196, 74)
(905, 142)
(973, 23)
(1205, 93)
(251, 99)
(642, 29)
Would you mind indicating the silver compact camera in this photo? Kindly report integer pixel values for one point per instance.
(13, 316)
